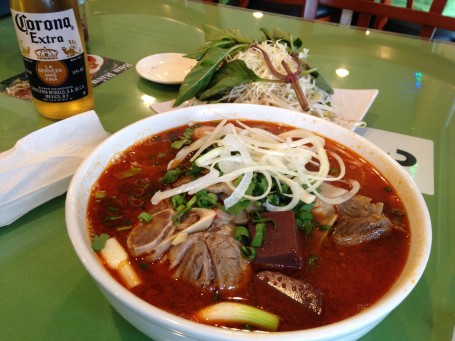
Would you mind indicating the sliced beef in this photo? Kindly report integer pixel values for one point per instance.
(200, 249)
(145, 236)
(360, 206)
(360, 221)
(209, 259)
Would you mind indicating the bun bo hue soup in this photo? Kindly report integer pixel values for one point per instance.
(248, 225)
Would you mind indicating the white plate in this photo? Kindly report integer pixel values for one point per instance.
(95, 63)
(165, 68)
(351, 105)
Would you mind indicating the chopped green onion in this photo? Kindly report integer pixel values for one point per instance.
(127, 173)
(248, 252)
(312, 261)
(180, 208)
(231, 312)
(206, 199)
(304, 217)
(111, 218)
(171, 175)
(145, 217)
(195, 170)
(324, 227)
(100, 194)
(124, 228)
(259, 236)
(242, 234)
(178, 200)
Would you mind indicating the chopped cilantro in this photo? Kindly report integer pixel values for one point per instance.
(99, 241)
(312, 262)
(185, 139)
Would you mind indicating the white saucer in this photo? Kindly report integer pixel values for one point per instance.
(166, 68)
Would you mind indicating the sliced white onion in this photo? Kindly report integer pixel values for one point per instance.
(239, 191)
(342, 198)
(199, 183)
(248, 151)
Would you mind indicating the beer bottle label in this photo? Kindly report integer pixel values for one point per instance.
(53, 55)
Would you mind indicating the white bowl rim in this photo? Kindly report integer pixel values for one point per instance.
(187, 327)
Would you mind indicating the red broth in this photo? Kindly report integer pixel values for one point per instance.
(351, 278)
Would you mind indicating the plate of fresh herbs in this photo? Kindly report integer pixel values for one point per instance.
(272, 70)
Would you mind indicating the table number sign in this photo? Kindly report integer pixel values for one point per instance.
(413, 153)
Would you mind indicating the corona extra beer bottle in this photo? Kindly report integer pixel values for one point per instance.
(51, 41)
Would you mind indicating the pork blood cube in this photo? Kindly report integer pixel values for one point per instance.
(282, 246)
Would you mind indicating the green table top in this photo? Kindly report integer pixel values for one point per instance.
(45, 293)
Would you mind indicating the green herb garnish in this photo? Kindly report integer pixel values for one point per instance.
(145, 217)
(259, 236)
(99, 241)
(127, 173)
(313, 261)
(242, 234)
(184, 140)
(213, 75)
(172, 175)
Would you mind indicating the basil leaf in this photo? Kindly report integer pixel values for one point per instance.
(279, 34)
(201, 74)
(202, 50)
(229, 75)
(213, 33)
(322, 83)
(267, 32)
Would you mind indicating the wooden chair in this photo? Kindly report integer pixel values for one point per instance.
(308, 8)
(369, 10)
(375, 14)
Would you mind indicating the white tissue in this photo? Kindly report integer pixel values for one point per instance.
(40, 166)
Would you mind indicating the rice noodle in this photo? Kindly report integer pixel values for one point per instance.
(239, 153)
